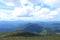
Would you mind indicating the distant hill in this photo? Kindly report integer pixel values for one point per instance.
(33, 27)
(9, 26)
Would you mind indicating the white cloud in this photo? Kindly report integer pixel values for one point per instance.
(18, 11)
(58, 9)
(9, 4)
(21, 11)
(5, 14)
(37, 13)
(24, 2)
(15, 3)
(42, 11)
(52, 3)
(48, 1)
(53, 13)
(37, 7)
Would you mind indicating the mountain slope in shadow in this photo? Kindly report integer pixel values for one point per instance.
(18, 33)
(32, 27)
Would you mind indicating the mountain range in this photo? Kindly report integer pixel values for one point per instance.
(8, 26)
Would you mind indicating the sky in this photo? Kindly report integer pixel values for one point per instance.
(29, 10)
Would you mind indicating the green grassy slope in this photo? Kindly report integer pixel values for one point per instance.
(17, 33)
(29, 34)
(23, 35)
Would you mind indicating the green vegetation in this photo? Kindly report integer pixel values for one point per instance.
(17, 33)
(31, 38)
(44, 32)
(23, 35)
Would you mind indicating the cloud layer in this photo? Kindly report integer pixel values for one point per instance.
(30, 10)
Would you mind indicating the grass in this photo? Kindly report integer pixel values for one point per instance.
(22, 35)
(31, 38)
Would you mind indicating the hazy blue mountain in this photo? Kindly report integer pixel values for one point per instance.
(33, 27)
(7, 26)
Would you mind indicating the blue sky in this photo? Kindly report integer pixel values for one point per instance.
(29, 10)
